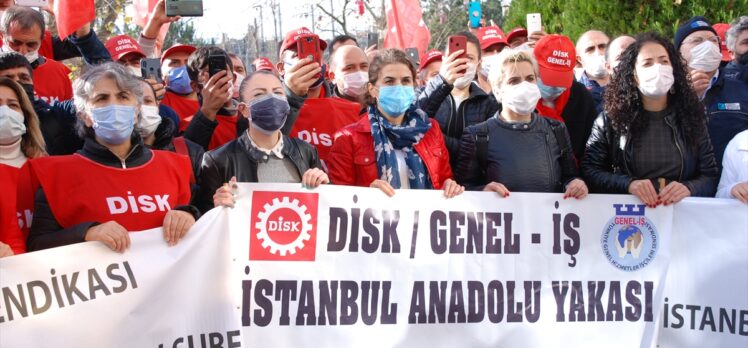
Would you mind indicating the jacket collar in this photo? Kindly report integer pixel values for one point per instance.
(164, 134)
(98, 153)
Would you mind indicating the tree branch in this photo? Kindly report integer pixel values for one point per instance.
(332, 16)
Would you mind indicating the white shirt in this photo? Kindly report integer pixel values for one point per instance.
(402, 168)
(734, 165)
(12, 155)
(276, 151)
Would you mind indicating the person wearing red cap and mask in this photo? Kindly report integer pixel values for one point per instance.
(453, 99)
(217, 121)
(302, 77)
(562, 98)
(429, 67)
(517, 37)
(180, 93)
(492, 41)
(725, 99)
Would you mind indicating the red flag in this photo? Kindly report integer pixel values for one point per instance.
(405, 26)
(72, 15)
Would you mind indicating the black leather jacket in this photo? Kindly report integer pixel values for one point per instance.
(523, 157)
(239, 158)
(606, 166)
(435, 101)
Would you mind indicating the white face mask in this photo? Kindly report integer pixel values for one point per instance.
(11, 125)
(237, 85)
(487, 63)
(354, 83)
(135, 71)
(706, 57)
(656, 80)
(149, 120)
(464, 82)
(595, 66)
(521, 98)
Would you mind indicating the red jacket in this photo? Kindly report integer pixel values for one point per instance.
(351, 160)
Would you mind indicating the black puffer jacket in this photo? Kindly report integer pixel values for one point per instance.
(606, 166)
(524, 157)
(239, 158)
(46, 232)
(436, 102)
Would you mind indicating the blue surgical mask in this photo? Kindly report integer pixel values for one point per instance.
(395, 100)
(179, 81)
(549, 93)
(114, 123)
(269, 112)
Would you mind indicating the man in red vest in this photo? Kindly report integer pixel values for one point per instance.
(181, 94)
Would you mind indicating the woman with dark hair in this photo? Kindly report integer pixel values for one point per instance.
(113, 185)
(20, 140)
(651, 139)
(397, 145)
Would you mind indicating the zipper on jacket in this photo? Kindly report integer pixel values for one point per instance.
(122, 160)
(551, 172)
(680, 151)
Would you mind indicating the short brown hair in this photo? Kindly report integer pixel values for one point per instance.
(382, 59)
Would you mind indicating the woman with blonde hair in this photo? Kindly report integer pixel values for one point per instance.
(517, 149)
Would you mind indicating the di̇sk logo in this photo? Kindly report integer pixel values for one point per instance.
(284, 226)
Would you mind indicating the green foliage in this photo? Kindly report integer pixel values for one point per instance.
(183, 32)
(446, 17)
(614, 17)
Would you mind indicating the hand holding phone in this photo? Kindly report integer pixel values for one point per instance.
(456, 43)
(150, 68)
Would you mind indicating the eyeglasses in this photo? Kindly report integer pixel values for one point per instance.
(699, 40)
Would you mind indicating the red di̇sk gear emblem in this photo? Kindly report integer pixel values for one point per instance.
(283, 226)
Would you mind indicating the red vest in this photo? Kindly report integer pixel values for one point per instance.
(9, 232)
(224, 132)
(183, 106)
(320, 118)
(52, 83)
(80, 190)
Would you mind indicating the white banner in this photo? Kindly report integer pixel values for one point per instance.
(350, 267)
(706, 293)
(86, 295)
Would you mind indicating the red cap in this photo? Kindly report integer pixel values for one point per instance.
(490, 36)
(428, 58)
(263, 63)
(721, 29)
(121, 45)
(294, 35)
(556, 58)
(177, 49)
(515, 33)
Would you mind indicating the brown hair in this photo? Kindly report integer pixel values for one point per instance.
(32, 143)
(382, 59)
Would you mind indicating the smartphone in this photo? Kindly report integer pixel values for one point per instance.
(372, 39)
(475, 14)
(32, 3)
(184, 8)
(216, 64)
(412, 54)
(456, 43)
(151, 68)
(534, 23)
(309, 47)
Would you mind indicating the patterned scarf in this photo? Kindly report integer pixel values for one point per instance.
(388, 138)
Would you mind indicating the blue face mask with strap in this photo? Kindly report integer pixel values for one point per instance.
(113, 123)
(395, 100)
(269, 112)
(179, 81)
(549, 93)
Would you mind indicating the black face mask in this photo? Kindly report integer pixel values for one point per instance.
(29, 88)
(743, 59)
